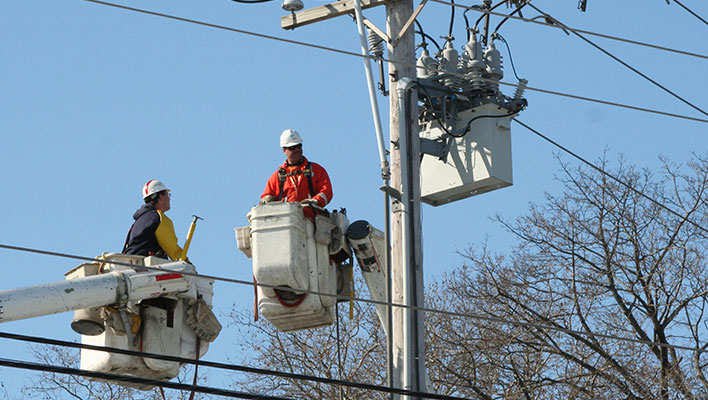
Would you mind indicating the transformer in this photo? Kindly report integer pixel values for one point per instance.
(464, 123)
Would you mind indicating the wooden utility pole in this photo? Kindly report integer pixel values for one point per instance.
(408, 344)
(408, 356)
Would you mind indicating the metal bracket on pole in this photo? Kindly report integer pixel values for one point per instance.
(409, 23)
(376, 29)
(391, 191)
(434, 148)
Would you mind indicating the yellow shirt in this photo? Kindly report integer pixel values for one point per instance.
(166, 238)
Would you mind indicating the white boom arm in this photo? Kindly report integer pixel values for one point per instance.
(115, 287)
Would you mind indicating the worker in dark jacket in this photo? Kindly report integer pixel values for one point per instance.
(153, 233)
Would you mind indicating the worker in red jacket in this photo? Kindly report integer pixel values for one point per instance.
(298, 180)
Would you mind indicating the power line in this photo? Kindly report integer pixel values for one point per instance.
(422, 309)
(197, 275)
(247, 282)
(188, 387)
(226, 28)
(693, 13)
(657, 84)
(621, 182)
(565, 28)
(345, 52)
(251, 283)
(223, 366)
(609, 103)
(134, 379)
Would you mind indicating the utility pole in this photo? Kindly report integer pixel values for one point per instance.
(406, 245)
(406, 249)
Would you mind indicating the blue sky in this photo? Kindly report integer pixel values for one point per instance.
(96, 101)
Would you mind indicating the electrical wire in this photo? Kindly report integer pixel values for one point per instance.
(308, 45)
(251, 1)
(420, 30)
(223, 366)
(134, 379)
(486, 11)
(602, 35)
(467, 24)
(369, 301)
(359, 55)
(609, 175)
(197, 275)
(692, 13)
(423, 35)
(452, 17)
(230, 29)
(345, 52)
(609, 103)
(636, 71)
(340, 366)
(432, 109)
(469, 123)
(508, 49)
(431, 39)
(295, 42)
(518, 10)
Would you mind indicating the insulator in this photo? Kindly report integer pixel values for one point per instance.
(449, 63)
(472, 82)
(494, 72)
(376, 47)
(493, 58)
(473, 53)
(520, 89)
(426, 65)
(472, 63)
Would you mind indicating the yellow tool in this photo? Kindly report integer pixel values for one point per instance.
(192, 226)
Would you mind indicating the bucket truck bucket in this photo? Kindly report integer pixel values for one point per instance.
(291, 255)
(161, 325)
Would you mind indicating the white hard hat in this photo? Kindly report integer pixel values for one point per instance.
(153, 186)
(289, 138)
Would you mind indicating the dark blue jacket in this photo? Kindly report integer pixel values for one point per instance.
(141, 238)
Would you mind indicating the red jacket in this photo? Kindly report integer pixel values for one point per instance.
(296, 187)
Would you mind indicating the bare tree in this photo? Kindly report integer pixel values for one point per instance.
(50, 385)
(595, 265)
(603, 298)
(352, 350)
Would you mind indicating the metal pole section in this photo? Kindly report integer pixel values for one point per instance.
(406, 251)
(53, 298)
(372, 93)
(408, 374)
(389, 294)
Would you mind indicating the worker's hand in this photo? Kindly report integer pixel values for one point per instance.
(269, 198)
(310, 202)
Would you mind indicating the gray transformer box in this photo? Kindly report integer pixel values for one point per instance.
(478, 162)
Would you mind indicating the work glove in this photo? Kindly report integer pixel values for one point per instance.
(269, 198)
(310, 202)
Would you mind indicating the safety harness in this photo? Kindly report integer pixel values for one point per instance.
(283, 174)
